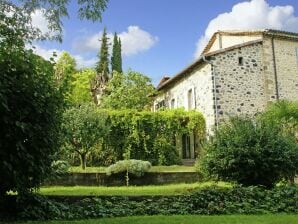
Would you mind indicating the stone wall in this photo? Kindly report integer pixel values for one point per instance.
(286, 67)
(199, 81)
(101, 179)
(239, 87)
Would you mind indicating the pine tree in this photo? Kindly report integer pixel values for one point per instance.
(102, 67)
(116, 60)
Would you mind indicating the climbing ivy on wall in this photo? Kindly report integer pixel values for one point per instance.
(149, 135)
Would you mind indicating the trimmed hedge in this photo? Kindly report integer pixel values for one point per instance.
(209, 201)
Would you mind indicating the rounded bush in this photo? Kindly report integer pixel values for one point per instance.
(135, 167)
(250, 153)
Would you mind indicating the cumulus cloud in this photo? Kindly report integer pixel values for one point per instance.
(39, 21)
(255, 14)
(48, 53)
(134, 41)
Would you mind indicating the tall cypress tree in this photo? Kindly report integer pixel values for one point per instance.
(116, 60)
(102, 67)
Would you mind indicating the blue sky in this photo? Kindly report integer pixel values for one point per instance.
(161, 37)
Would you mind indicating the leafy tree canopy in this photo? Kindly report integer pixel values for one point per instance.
(64, 73)
(283, 114)
(128, 91)
(81, 87)
(54, 11)
(82, 128)
(30, 111)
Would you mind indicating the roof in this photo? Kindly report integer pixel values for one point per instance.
(249, 33)
(163, 80)
(186, 70)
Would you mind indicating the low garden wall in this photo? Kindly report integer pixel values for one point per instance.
(97, 179)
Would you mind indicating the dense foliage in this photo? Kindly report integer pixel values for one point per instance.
(150, 136)
(128, 91)
(65, 69)
(250, 153)
(283, 114)
(81, 87)
(30, 111)
(83, 126)
(209, 201)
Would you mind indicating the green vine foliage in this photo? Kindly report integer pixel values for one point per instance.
(149, 135)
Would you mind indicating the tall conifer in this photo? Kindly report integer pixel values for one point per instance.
(102, 66)
(116, 60)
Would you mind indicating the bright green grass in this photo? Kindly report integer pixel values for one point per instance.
(224, 219)
(173, 189)
(175, 168)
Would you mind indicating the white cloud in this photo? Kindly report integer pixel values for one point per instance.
(254, 14)
(85, 63)
(48, 53)
(134, 41)
(39, 20)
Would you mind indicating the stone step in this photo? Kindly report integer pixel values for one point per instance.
(188, 162)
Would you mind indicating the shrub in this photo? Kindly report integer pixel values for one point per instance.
(59, 169)
(250, 153)
(135, 167)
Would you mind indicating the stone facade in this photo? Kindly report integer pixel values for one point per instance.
(235, 79)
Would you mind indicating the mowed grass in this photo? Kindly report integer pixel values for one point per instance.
(175, 168)
(224, 219)
(173, 189)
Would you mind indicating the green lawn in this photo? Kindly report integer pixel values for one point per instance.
(231, 219)
(174, 189)
(175, 168)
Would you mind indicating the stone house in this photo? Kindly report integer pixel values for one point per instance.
(238, 72)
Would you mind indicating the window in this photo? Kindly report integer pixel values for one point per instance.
(189, 99)
(240, 61)
(159, 105)
(172, 103)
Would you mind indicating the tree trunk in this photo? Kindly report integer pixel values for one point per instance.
(83, 160)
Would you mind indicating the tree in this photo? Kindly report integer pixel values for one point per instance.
(54, 11)
(82, 129)
(250, 153)
(102, 67)
(283, 114)
(128, 91)
(30, 110)
(64, 73)
(81, 87)
(116, 59)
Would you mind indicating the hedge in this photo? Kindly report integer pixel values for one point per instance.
(209, 201)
